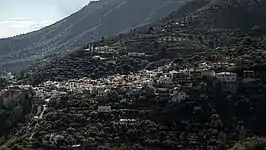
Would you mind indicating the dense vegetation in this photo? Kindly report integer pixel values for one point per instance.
(15, 104)
(3, 83)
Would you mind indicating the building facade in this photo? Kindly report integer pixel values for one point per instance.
(227, 77)
(248, 76)
(104, 109)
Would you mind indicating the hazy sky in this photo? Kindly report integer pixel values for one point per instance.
(21, 16)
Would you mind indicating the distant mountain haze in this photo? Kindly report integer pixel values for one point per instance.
(97, 19)
(17, 16)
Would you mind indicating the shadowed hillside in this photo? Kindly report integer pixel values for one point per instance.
(240, 14)
(97, 19)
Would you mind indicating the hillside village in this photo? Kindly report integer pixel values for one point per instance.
(160, 86)
(134, 97)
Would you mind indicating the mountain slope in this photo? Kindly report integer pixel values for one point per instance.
(82, 64)
(191, 38)
(98, 18)
(240, 14)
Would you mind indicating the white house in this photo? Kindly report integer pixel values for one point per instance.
(97, 57)
(52, 138)
(190, 85)
(104, 108)
(204, 65)
(164, 80)
(101, 48)
(128, 120)
(222, 65)
(186, 71)
(104, 93)
(173, 73)
(179, 74)
(227, 77)
(93, 90)
(72, 85)
(248, 76)
(209, 73)
(178, 96)
(135, 54)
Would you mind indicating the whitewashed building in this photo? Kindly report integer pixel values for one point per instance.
(127, 120)
(93, 90)
(248, 76)
(135, 54)
(72, 86)
(222, 65)
(164, 80)
(204, 65)
(227, 77)
(104, 93)
(186, 71)
(209, 73)
(178, 96)
(104, 109)
(190, 85)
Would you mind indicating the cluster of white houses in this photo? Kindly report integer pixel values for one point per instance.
(227, 77)
(161, 82)
(136, 54)
(104, 109)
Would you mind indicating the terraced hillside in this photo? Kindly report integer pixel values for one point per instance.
(97, 19)
(170, 38)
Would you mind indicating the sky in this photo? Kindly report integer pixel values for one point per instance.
(22, 16)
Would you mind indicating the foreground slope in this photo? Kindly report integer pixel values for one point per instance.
(98, 18)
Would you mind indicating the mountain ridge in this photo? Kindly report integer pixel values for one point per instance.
(98, 18)
(219, 36)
